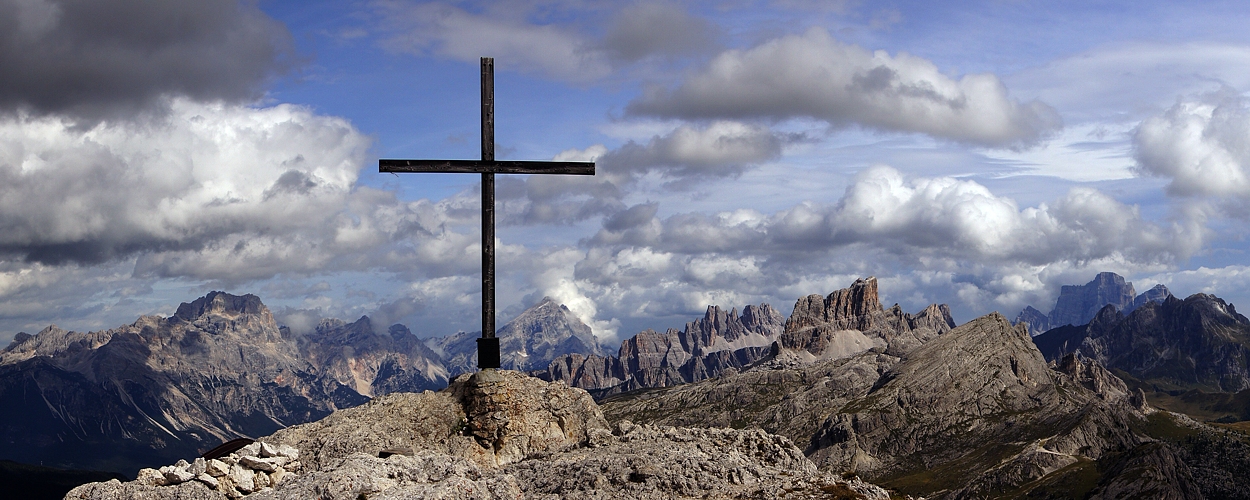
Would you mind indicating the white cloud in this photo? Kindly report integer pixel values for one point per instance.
(813, 75)
(1202, 146)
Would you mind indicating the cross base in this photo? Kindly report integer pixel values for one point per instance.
(488, 352)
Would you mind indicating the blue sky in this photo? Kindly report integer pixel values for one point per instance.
(979, 154)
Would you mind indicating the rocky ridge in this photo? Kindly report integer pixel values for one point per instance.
(1078, 304)
(500, 435)
(1200, 343)
(162, 388)
(719, 342)
(973, 412)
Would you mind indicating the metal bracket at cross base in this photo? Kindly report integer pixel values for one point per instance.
(488, 352)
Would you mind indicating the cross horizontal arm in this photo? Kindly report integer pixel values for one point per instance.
(488, 167)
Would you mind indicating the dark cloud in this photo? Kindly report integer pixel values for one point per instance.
(97, 58)
(647, 29)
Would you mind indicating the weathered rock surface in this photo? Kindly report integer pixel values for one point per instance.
(1078, 304)
(1200, 343)
(356, 355)
(217, 369)
(158, 389)
(529, 342)
(851, 321)
(720, 342)
(507, 435)
(975, 412)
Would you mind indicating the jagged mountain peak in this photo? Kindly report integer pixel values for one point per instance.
(849, 308)
(1079, 304)
(221, 304)
(530, 341)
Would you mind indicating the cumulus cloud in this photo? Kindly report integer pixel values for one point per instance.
(813, 75)
(97, 58)
(1201, 146)
(938, 239)
(222, 193)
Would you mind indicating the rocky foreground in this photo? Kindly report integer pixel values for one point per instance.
(494, 435)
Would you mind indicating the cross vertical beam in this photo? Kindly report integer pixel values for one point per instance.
(488, 345)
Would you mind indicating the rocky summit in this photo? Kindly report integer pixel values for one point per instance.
(499, 434)
(1077, 304)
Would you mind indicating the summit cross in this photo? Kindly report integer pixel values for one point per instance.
(488, 345)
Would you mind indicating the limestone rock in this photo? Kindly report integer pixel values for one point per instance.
(1078, 304)
(719, 342)
(219, 367)
(1201, 343)
(506, 435)
(529, 342)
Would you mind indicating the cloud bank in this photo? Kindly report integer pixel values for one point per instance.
(814, 76)
(95, 59)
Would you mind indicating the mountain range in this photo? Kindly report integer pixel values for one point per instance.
(1110, 408)
(974, 411)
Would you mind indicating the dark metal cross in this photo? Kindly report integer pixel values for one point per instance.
(488, 345)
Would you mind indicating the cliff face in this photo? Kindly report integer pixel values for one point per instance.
(972, 412)
(851, 321)
(218, 368)
(719, 342)
(531, 341)
(1200, 343)
(159, 388)
(1078, 304)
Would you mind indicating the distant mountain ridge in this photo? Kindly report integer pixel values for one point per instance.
(1200, 343)
(719, 342)
(1077, 304)
(531, 341)
(221, 367)
(844, 323)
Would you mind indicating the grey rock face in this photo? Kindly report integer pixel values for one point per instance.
(851, 320)
(1037, 321)
(1078, 304)
(164, 388)
(719, 342)
(371, 363)
(971, 413)
(1198, 343)
(505, 435)
(529, 342)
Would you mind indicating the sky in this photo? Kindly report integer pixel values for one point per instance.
(978, 154)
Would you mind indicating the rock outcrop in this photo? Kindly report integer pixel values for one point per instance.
(851, 321)
(502, 435)
(1078, 304)
(720, 342)
(372, 363)
(529, 342)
